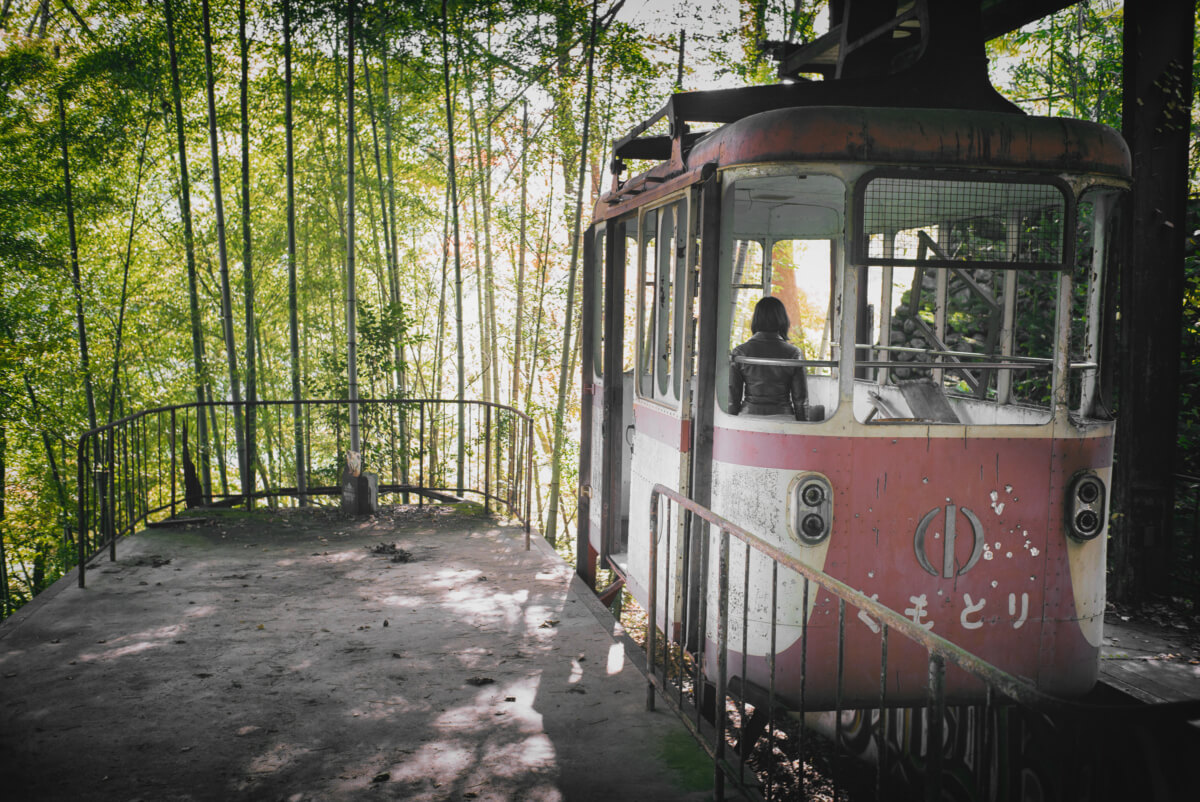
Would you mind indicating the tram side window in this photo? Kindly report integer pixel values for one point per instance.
(801, 276)
(648, 284)
(663, 269)
(664, 302)
(1098, 236)
(746, 288)
(597, 268)
(785, 231)
(632, 290)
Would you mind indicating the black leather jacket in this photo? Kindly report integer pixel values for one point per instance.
(767, 389)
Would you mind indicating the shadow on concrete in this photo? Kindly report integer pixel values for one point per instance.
(274, 655)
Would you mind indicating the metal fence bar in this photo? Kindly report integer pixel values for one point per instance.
(743, 746)
(771, 687)
(841, 671)
(881, 732)
(936, 722)
(487, 460)
(668, 600)
(803, 685)
(652, 612)
(722, 659)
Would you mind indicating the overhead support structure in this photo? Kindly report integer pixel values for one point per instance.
(927, 54)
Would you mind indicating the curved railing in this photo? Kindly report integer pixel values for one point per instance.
(148, 466)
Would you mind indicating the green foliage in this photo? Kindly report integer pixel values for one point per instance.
(1068, 64)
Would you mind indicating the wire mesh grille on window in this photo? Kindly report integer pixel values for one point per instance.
(963, 221)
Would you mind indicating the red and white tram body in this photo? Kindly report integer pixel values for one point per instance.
(957, 461)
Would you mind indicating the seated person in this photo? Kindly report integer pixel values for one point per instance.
(768, 389)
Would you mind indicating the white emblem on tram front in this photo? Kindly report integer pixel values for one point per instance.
(951, 533)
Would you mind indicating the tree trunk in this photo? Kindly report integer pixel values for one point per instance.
(488, 268)
(60, 489)
(458, 299)
(247, 265)
(401, 368)
(543, 255)
(378, 250)
(351, 289)
(112, 390)
(440, 337)
(564, 362)
(293, 289)
(389, 288)
(520, 311)
(76, 282)
(383, 210)
(185, 211)
(485, 345)
(216, 436)
(264, 470)
(226, 300)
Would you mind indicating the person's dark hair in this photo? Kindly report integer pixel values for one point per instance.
(770, 315)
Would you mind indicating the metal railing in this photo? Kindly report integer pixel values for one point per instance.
(1089, 736)
(150, 465)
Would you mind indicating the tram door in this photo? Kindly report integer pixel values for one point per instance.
(606, 398)
(658, 345)
(640, 333)
(607, 391)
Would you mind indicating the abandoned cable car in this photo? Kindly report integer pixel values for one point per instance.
(948, 275)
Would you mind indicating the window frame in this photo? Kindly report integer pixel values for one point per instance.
(860, 243)
(662, 384)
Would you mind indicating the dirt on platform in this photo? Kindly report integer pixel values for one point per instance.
(420, 653)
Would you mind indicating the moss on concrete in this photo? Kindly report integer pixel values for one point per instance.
(690, 763)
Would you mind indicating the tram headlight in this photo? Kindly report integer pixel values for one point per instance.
(1085, 506)
(810, 509)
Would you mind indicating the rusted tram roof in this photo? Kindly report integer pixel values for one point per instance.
(946, 138)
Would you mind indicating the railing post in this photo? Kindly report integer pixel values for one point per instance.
(421, 459)
(487, 458)
(110, 499)
(722, 661)
(652, 612)
(882, 732)
(174, 462)
(528, 480)
(82, 506)
(837, 704)
(937, 719)
(100, 480)
(804, 617)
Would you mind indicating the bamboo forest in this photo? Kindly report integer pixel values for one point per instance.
(186, 188)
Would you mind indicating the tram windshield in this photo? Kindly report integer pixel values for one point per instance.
(973, 299)
(983, 317)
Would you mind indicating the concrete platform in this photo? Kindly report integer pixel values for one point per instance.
(275, 656)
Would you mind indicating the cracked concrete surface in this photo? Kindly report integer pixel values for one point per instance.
(275, 655)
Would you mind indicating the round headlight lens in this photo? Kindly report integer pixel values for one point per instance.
(1088, 492)
(812, 526)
